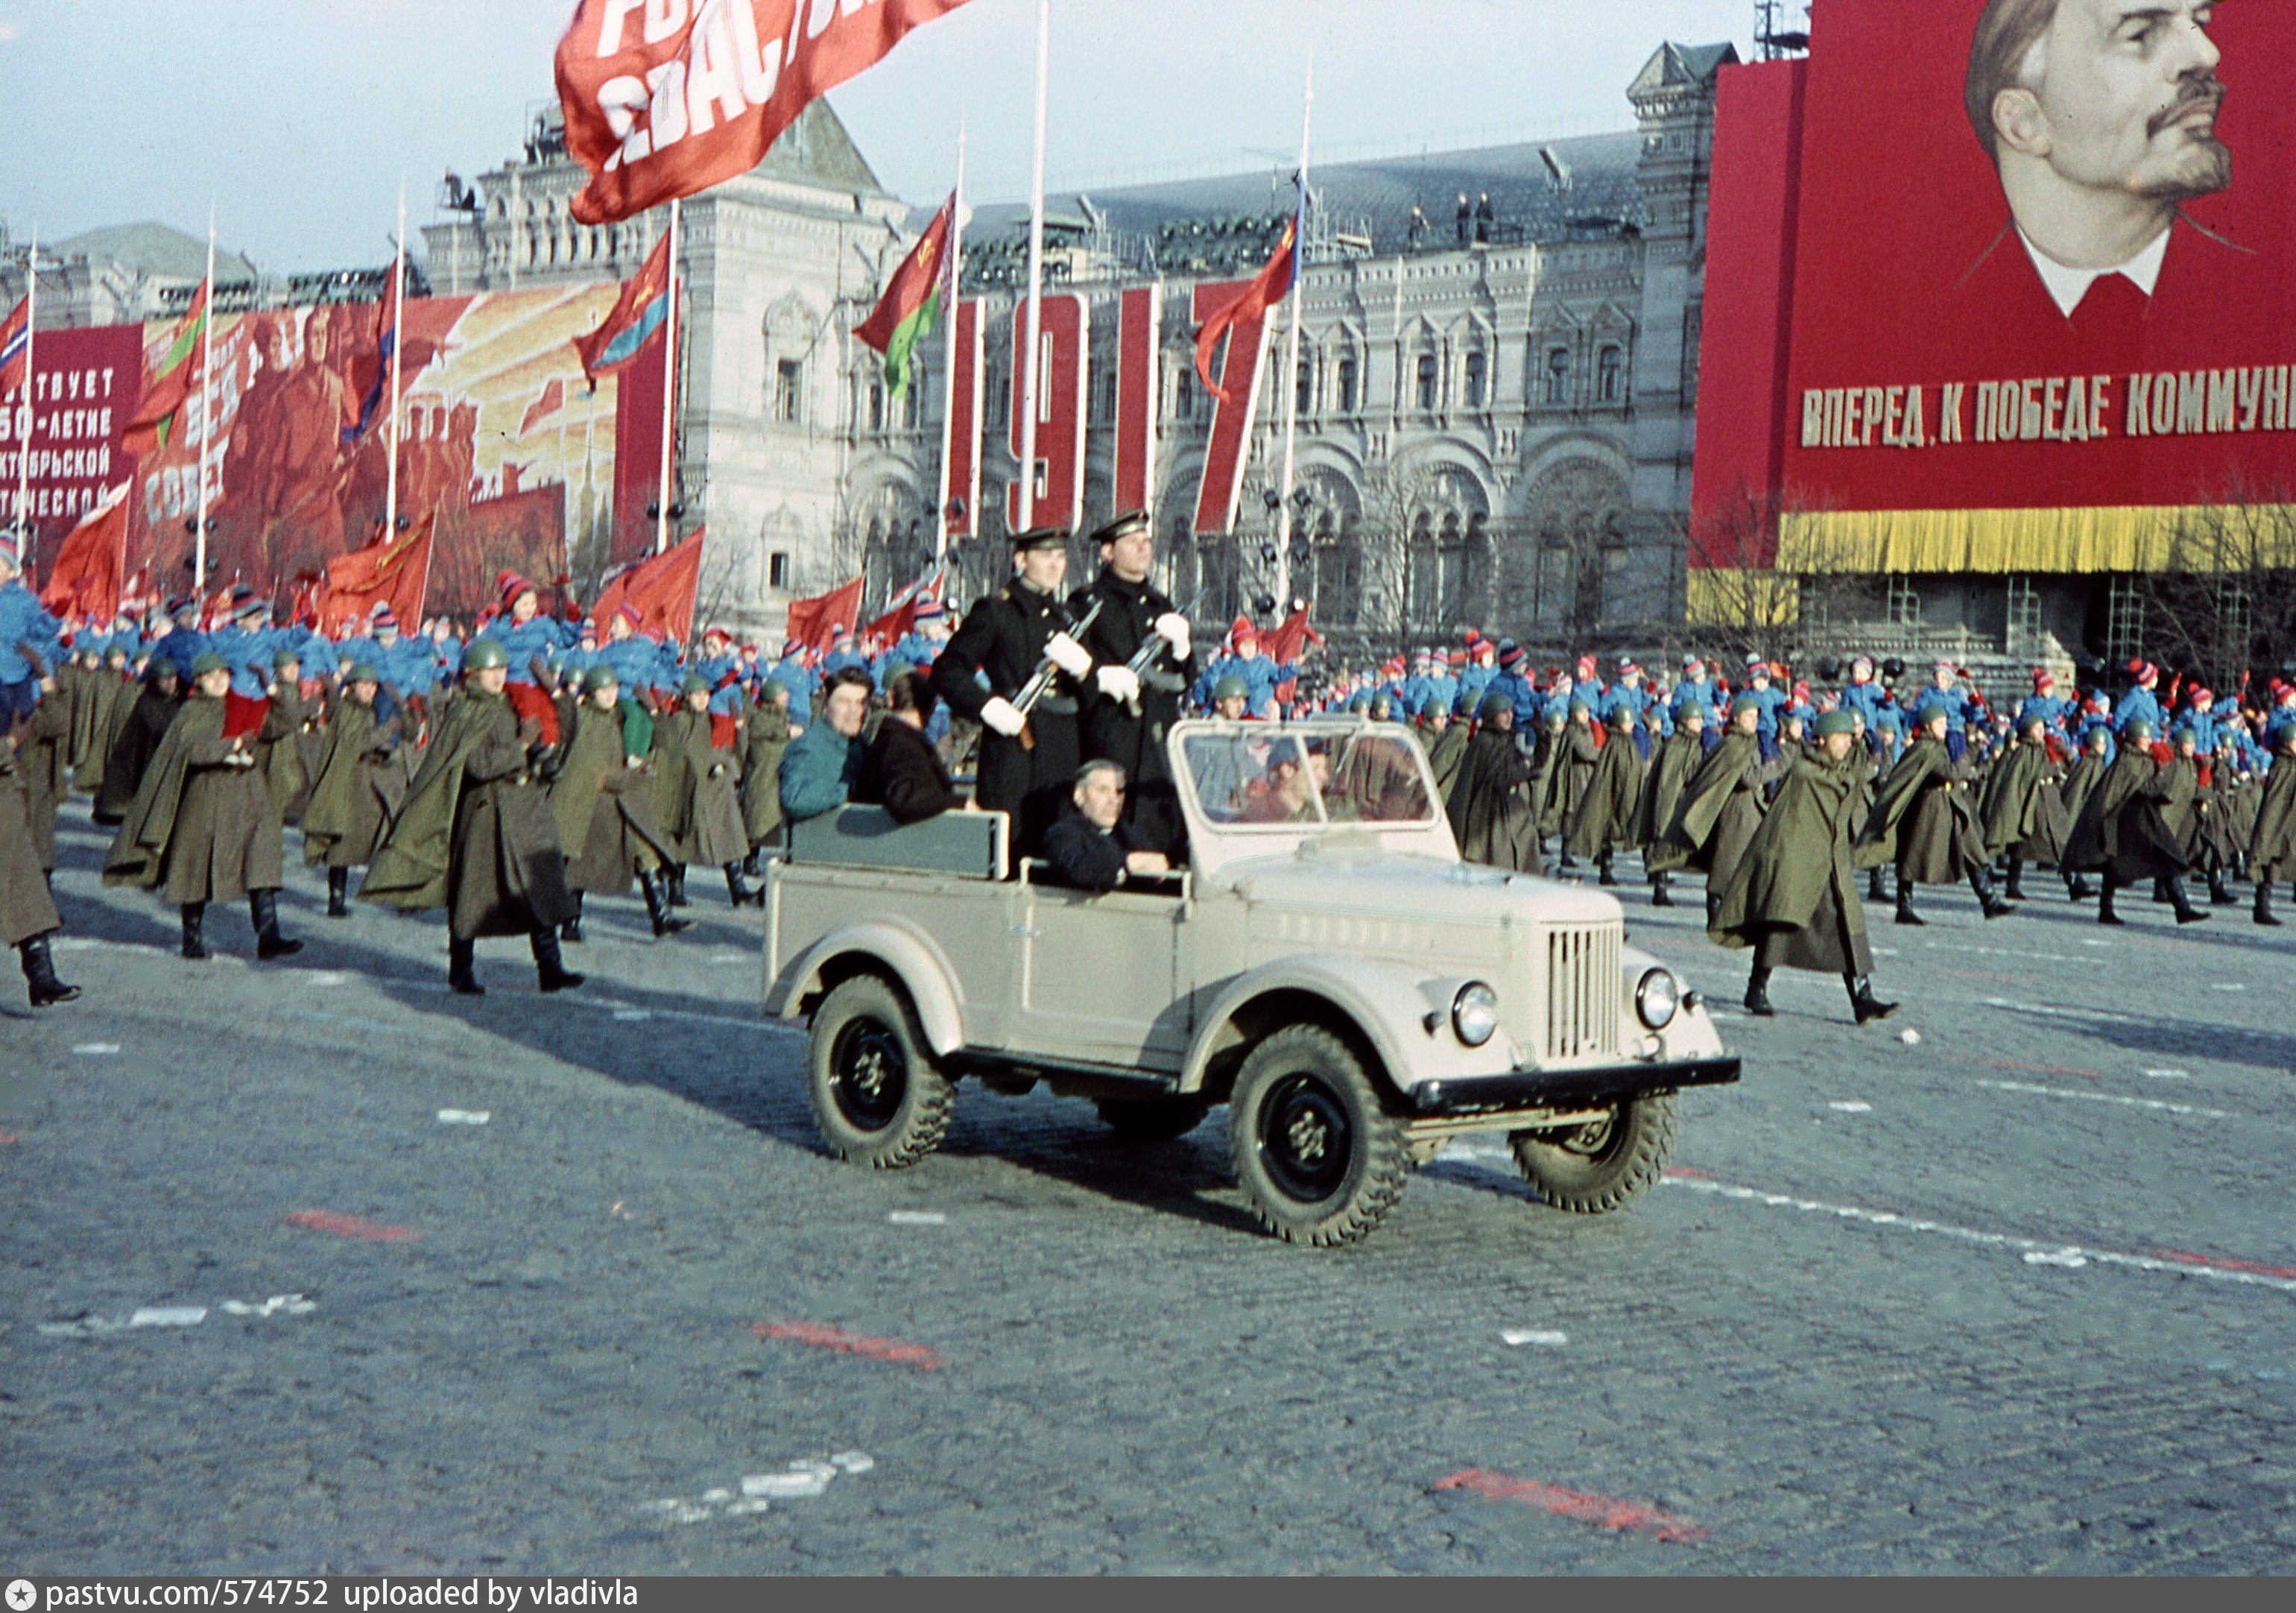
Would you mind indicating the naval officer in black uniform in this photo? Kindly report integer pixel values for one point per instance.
(1130, 733)
(1027, 767)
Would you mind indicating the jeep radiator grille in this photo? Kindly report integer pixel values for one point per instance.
(1583, 986)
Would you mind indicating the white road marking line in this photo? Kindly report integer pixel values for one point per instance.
(852, 1461)
(1991, 1241)
(325, 977)
(96, 1049)
(2229, 985)
(464, 1117)
(1955, 946)
(1852, 1107)
(169, 1316)
(723, 958)
(1535, 1336)
(2169, 1075)
(2071, 1259)
(631, 1016)
(917, 1218)
(2131, 1103)
(757, 1492)
(293, 1304)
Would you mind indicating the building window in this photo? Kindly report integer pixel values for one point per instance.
(1609, 376)
(1477, 380)
(1346, 386)
(876, 406)
(789, 391)
(1904, 606)
(1184, 391)
(777, 572)
(1000, 401)
(1429, 380)
(2024, 612)
(1103, 398)
(1558, 374)
(1305, 386)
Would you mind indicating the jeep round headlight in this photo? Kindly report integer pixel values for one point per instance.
(1656, 998)
(1475, 1013)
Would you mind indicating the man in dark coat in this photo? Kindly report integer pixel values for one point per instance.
(1678, 761)
(28, 913)
(901, 771)
(697, 794)
(1722, 805)
(2087, 772)
(357, 786)
(2122, 829)
(1576, 752)
(201, 826)
(476, 835)
(603, 797)
(2019, 808)
(1604, 820)
(1793, 896)
(1924, 820)
(1028, 764)
(1130, 731)
(138, 740)
(1490, 812)
(115, 698)
(1092, 848)
(2272, 846)
(42, 764)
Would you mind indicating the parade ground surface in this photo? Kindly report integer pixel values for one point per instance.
(315, 1267)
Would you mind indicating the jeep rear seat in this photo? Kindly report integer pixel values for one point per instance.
(966, 845)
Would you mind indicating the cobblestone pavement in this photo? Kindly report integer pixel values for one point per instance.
(2020, 1295)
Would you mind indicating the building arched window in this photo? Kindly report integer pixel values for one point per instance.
(876, 406)
(1609, 373)
(1429, 381)
(1306, 388)
(1558, 374)
(1346, 386)
(1477, 381)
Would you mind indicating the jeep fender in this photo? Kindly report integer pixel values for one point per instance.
(907, 956)
(1384, 1002)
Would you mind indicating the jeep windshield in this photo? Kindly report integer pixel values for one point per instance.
(1249, 775)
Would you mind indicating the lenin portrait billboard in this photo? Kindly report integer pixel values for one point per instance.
(2013, 255)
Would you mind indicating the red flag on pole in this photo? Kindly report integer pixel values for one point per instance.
(664, 98)
(814, 622)
(15, 347)
(155, 420)
(660, 588)
(1270, 287)
(641, 310)
(390, 570)
(90, 562)
(900, 618)
(912, 302)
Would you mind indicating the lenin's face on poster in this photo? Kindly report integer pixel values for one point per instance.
(2101, 115)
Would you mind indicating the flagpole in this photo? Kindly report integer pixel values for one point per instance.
(668, 390)
(397, 346)
(949, 317)
(1031, 350)
(207, 415)
(31, 409)
(1292, 365)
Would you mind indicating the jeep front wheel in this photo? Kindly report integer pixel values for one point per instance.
(1316, 1151)
(1601, 1165)
(878, 1097)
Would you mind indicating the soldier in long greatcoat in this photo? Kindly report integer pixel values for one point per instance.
(358, 781)
(2125, 829)
(697, 786)
(137, 741)
(1924, 820)
(1604, 820)
(603, 797)
(28, 912)
(2272, 847)
(1678, 761)
(1490, 806)
(476, 835)
(2019, 808)
(1722, 805)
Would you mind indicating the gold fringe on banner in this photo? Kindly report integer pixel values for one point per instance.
(2202, 537)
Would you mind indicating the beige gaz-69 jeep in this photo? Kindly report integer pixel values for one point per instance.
(1325, 964)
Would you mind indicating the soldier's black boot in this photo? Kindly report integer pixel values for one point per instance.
(677, 877)
(40, 974)
(549, 966)
(1758, 993)
(570, 931)
(657, 905)
(2187, 913)
(195, 915)
(2219, 895)
(2264, 908)
(1876, 891)
(1906, 914)
(1863, 1002)
(2015, 889)
(2078, 889)
(1602, 871)
(339, 892)
(263, 909)
(2160, 892)
(2104, 913)
(1981, 880)
(462, 967)
(753, 864)
(738, 888)
(1661, 895)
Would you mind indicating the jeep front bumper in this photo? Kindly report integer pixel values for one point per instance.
(1595, 1088)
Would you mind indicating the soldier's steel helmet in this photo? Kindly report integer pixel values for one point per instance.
(483, 654)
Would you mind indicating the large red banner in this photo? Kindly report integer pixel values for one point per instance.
(2005, 255)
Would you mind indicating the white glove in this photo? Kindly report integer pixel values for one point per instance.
(1119, 683)
(1001, 714)
(1173, 628)
(1066, 654)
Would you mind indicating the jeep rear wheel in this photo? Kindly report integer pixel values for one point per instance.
(1316, 1151)
(878, 1097)
(1153, 1120)
(1599, 1166)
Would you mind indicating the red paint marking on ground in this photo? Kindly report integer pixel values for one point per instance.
(8, 1139)
(2043, 1069)
(1602, 1510)
(351, 1226)
(1687, 1175)
(823, 1336)
(2219, 1263)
